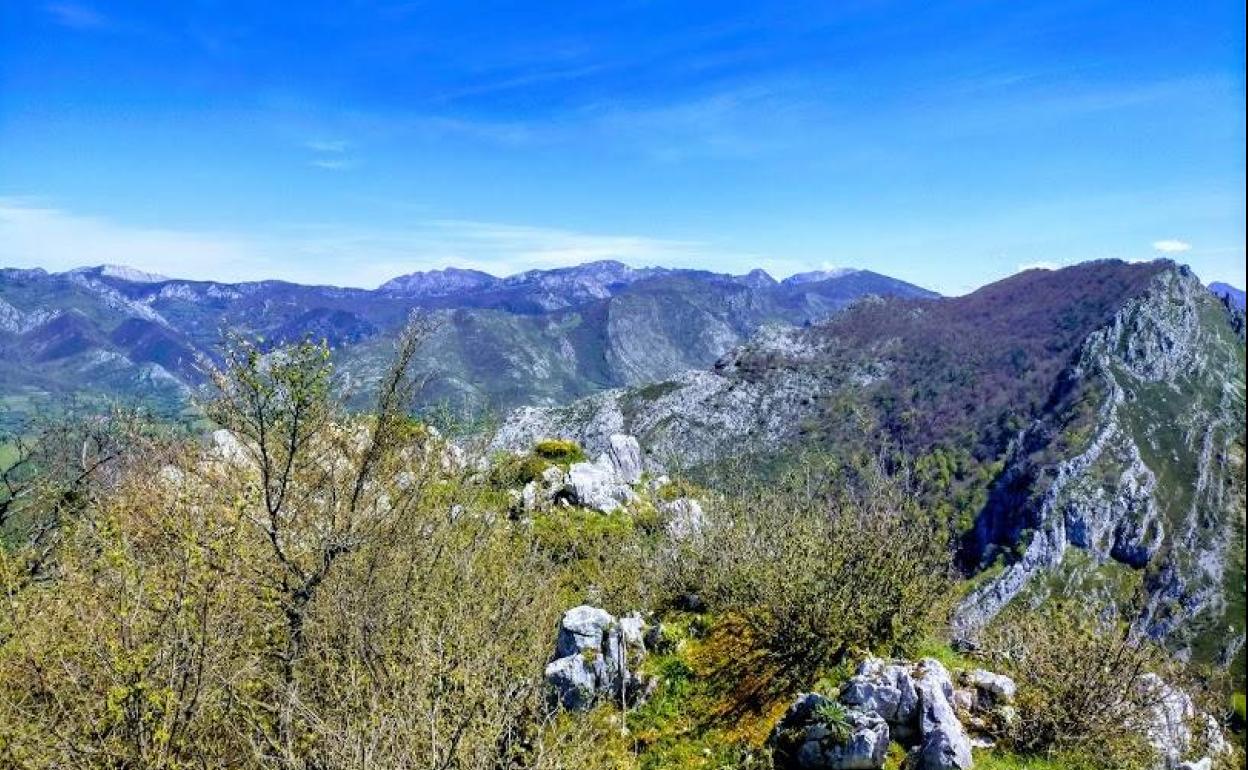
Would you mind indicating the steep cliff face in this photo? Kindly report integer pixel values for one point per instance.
(1138, 464)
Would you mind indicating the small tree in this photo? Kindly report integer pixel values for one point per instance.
(319, 474)
(119, 655)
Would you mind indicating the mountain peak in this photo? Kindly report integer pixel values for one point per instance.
(757, 279)
(606, 270)
(814, 276)
(438, 283)
(120, 272)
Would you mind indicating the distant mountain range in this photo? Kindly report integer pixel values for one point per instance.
(538, 337)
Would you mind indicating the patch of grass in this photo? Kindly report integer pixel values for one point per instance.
(1002, 760)
(666, 714)
(516, 470)
(950, 658)
(677, 488)
(693, 719)
(647, 518)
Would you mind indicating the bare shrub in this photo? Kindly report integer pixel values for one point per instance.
(1083, 691)
(816, 566)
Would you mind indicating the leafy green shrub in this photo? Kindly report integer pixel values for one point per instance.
(568, 534)
(560, 451)
(602, 558)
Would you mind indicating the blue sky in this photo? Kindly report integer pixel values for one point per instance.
(946, 143)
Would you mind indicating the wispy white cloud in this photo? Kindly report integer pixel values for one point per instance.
(1172, 246)
(715, 125)
(330, 154)
(34, 234)
(76, 16)
(327, 145)
(506, 133)
(333, 164)
(526, 79)
(739, 120)
(525, 246)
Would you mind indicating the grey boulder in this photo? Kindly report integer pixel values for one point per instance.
(1170, 722)
(596, 658)
(944, 743)
(888, 690)
(991, 689)
(803, 739)
(685, 518)
(575, 681)
(596, 485)
(583, 628)
(624, 455)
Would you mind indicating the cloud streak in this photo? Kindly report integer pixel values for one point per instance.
(76, 16)
(32, 235)
(330, 154)
(327, 145)
(333, 164)
(735, 121)
(1172, 246)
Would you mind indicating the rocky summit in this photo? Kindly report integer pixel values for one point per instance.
(1083, 429)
